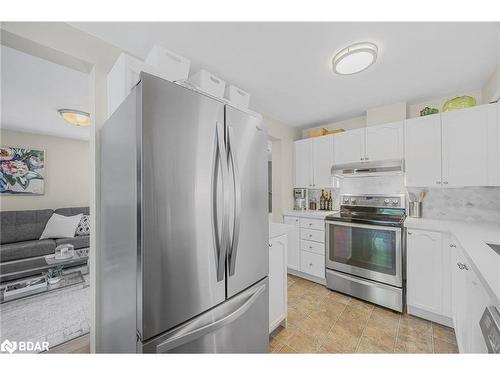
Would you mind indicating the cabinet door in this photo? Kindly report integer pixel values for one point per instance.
(385, 142)
(349, 146)
(459, 302)
(293, 245)
(303, 162)
(322, 161)
(477, 300)
(470, 147)
(277, 281)
(424, 269)
(423, 151)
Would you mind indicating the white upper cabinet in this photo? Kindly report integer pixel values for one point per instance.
(313, 162)
(303, 163)
(470, 146)
(322, 160)
(374, 143)
(385, 142)
(423, 151)
(349, 147)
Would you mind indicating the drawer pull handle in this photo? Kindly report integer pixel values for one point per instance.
(310, 247)
(310, 264)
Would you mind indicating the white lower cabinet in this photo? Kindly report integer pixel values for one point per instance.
(469, 299)
(443, 287)
(312, 235)
(308, 256)
(427, 280)
(313, 264)
(312, 247)
(277, 281)
(293, 248)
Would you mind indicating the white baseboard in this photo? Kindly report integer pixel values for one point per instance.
(433, 317)
(306, 276)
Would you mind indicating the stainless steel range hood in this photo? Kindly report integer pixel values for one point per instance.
(369, 168)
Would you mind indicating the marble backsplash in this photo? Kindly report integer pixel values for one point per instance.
(469, 204)
(367, 185)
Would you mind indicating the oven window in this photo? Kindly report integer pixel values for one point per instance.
(366, 248)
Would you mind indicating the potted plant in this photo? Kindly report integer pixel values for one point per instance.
(54, 275)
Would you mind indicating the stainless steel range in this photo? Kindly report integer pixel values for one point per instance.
(365, 249)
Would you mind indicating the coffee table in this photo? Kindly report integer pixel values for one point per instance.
(22, 268)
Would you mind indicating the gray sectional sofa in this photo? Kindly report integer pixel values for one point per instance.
(20, 232)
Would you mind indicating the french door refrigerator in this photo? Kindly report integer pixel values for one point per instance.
(183, 225)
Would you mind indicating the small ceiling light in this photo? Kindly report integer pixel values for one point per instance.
(355, 58)
(74, 117)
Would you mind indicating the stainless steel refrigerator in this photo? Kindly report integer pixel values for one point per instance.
(183, 225)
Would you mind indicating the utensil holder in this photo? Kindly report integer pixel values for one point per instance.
(415, 209)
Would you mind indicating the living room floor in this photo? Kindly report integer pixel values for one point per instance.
(323, 321)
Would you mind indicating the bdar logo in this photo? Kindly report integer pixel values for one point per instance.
(8, 346)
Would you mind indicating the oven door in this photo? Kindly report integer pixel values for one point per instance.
(369, 251)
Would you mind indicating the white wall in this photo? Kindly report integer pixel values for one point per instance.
(283, 174)
(402, 110)
(491, 91)
(67, 172)
(414, 109)
(385, 114)
(349, 124)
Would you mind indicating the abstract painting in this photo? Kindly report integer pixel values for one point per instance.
(21, 171)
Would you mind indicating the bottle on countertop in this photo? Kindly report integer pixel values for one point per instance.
(322, 200)
(330, 202)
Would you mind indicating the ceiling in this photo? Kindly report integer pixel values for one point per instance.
(33, 89)
(287, 66)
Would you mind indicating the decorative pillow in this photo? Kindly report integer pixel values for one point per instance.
(83, 228)
(60, 226)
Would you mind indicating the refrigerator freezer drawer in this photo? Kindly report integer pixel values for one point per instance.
(239, 325)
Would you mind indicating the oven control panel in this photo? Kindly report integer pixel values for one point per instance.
(396, 201)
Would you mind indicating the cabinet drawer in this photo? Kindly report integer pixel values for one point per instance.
(313, 264)
(312, 235)
(291, 220)
(314, 247)
(316, 224)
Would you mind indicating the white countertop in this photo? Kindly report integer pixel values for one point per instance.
(279, 229)
(473, 237)
(308, 213)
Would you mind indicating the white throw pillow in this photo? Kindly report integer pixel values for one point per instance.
(60, 226)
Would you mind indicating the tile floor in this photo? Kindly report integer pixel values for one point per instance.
(323, 321)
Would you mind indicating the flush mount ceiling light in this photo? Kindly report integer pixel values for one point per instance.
(74, 117)
(355, 58)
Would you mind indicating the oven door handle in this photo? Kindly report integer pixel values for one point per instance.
(367, 226)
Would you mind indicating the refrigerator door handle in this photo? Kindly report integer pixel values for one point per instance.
(237, 204)
(221, 242)
(198, 328)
